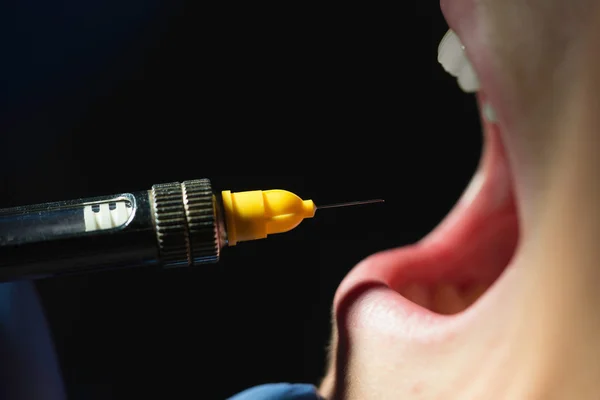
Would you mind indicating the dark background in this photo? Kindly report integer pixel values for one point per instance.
(106, 97)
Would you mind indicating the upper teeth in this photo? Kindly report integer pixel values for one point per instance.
(451, 54)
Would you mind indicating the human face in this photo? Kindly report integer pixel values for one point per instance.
(500, 300)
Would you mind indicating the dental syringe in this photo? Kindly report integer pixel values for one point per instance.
(171, 225)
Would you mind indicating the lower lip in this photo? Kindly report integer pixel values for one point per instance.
(384, 311)
(375, 310)
(365, 300)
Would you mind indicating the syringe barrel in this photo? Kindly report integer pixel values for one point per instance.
(174, 224)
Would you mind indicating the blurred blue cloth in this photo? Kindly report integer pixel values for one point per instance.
(279, 391)
(29, 368)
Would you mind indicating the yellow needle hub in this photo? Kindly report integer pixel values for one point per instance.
(255, 214)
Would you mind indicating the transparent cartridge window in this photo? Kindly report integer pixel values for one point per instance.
(109, 215)
(54, 220)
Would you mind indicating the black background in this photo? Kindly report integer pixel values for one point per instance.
(119, 95)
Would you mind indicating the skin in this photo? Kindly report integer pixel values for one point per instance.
(534, 335)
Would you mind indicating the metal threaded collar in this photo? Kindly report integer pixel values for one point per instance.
(186, 223)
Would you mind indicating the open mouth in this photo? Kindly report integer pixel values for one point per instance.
(442, 276)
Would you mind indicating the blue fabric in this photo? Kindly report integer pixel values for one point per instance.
(28, 364)
(279, 391)
(29, 368)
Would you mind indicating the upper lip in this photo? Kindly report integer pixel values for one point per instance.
(456, 12)
(462, 19)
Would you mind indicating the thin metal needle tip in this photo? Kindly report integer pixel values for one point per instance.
(351, 203)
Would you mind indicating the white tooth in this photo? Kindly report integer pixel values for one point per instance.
(467, 80)
(452, 57)
(489, 113)
(451, 54)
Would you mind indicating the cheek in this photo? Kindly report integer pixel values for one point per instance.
(531, 42)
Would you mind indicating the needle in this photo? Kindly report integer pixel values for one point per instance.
(351, 203)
